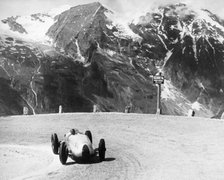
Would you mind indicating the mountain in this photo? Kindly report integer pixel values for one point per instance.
(193, 61)
(86, 55)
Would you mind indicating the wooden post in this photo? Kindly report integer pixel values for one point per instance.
(96, 108)
(127, 109)
(25, 111)
(60, 109)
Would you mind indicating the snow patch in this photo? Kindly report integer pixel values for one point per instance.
(110, 52)
(160, 27)
(204, 15)
(80, 57)
(13, 49)
(131, 62)
(183, 50)
(195, 49)
(109, 26)
(164, 44)
(96, 11)
(149, 45)
(169, 91)
(122, 25)
(201, 85)
(172, 95)
(220, 39)
(168, 55)
(196, 106)
(36, 29)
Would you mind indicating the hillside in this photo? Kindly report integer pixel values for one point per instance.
(85, 56)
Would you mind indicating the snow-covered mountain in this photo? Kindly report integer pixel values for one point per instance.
(85, 55)
(32, 27)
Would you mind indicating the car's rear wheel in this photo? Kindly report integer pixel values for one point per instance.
(63, 153)
(54, 143)
(89, 134)
(102, 149)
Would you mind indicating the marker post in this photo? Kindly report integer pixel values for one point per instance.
(158, 80)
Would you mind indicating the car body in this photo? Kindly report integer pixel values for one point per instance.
(77, 146)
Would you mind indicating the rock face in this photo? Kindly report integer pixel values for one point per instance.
(192, 51)
(14, 26)
(95, 60)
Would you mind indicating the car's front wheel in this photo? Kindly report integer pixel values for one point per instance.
(89, 134)
(102, 149)
(63, 153)
(54, 143)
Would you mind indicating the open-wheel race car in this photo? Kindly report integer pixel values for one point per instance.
(78, 146)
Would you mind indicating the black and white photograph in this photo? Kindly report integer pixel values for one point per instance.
(111, 90)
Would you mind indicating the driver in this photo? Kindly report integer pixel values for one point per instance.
(72, 132)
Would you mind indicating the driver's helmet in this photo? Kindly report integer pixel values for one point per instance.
(74, 131)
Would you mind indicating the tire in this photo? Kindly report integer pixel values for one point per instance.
(85, 152)
(54, 143)
(63, 153)
(102, 149)
(89, 134)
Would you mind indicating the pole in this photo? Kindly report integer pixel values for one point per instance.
(60, 109)
(158, 99)
(158, 79)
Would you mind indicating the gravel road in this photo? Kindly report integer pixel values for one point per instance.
(138, 147)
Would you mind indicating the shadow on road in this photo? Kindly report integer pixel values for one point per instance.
(109, 159)
(94, 160)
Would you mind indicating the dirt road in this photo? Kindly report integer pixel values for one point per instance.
(138, 147)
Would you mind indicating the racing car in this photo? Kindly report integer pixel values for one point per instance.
(78, 146)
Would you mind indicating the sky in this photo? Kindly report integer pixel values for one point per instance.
(124, 7)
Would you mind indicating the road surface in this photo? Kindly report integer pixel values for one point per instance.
(138, 147)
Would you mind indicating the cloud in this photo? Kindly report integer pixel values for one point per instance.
(128, 8)
(133, 7)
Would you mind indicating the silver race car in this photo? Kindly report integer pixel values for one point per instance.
(77, 146)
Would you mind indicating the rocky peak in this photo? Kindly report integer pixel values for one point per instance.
(117, 60)
(78, 28)
(14, 26)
